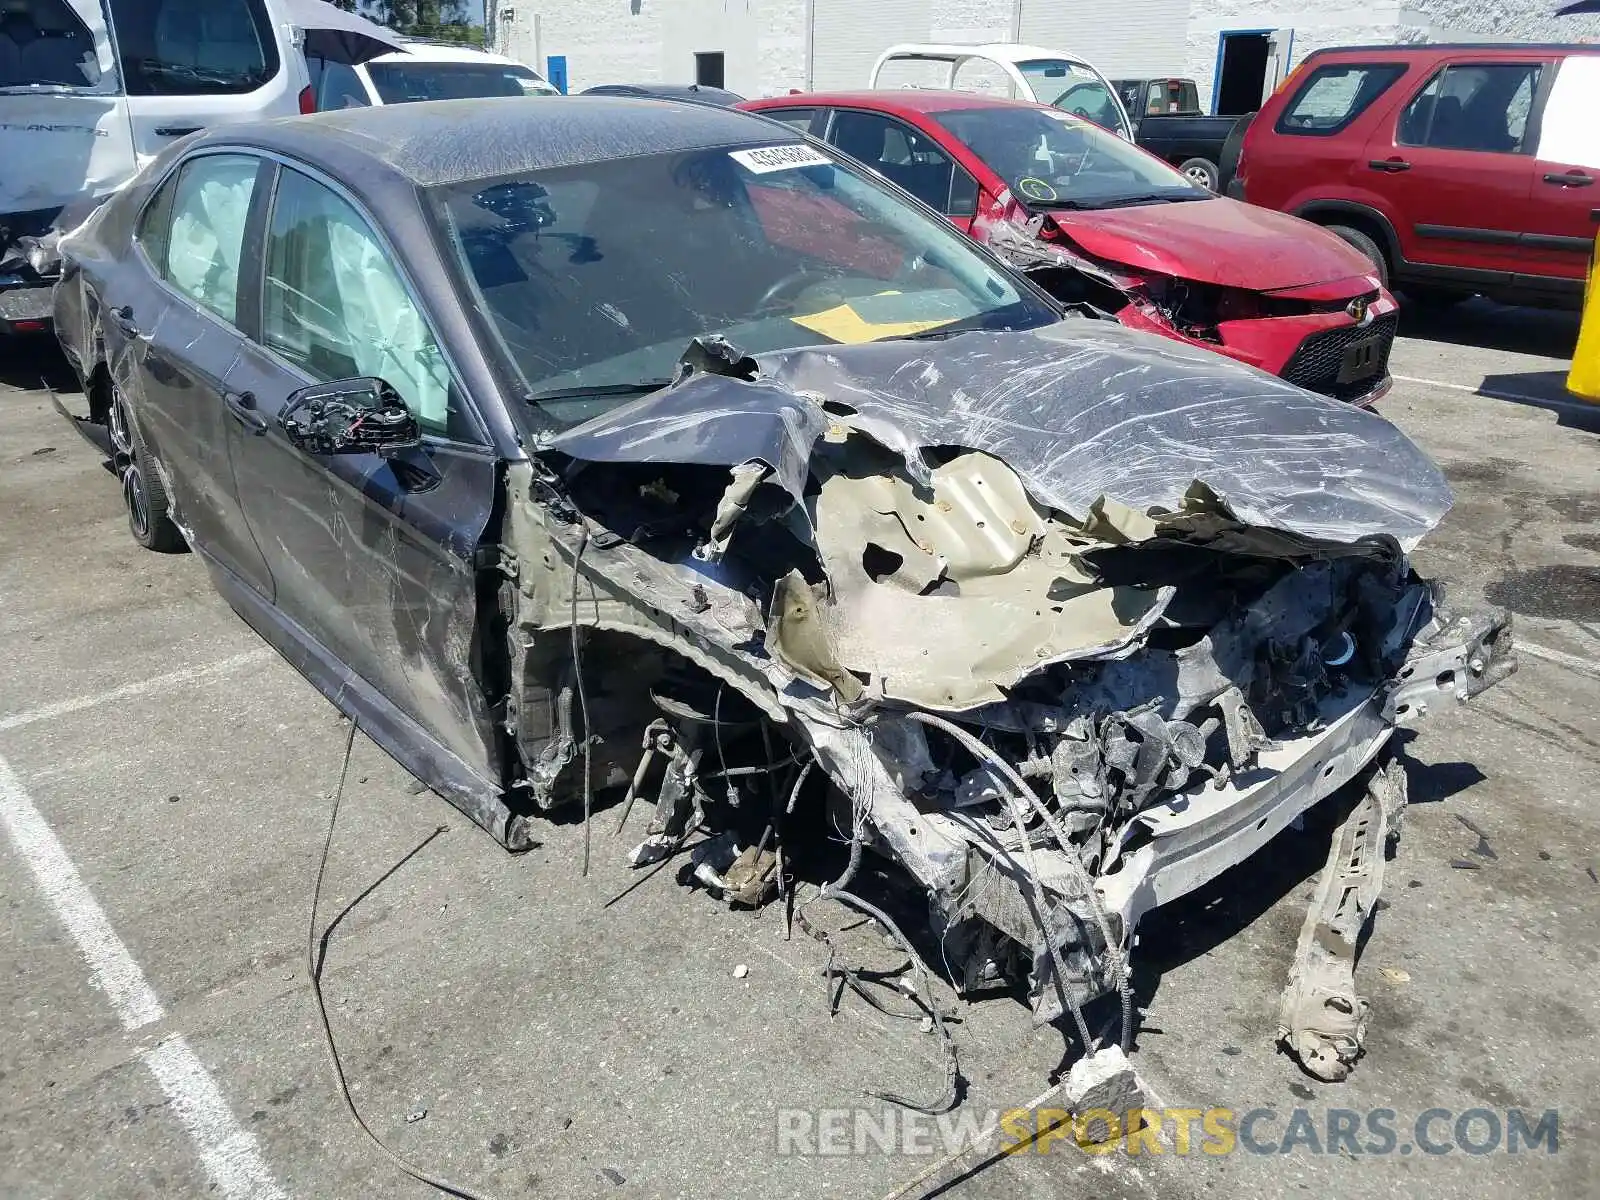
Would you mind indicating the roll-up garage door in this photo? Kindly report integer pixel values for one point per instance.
(848, 35)
(1137, 39)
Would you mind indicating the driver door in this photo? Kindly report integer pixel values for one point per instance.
(373, 558)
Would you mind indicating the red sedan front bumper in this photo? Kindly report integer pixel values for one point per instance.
(1334, 353)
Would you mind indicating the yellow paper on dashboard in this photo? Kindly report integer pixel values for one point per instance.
(844, 323)
(1583, 380)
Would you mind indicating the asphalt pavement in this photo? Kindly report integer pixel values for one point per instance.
(165, 782)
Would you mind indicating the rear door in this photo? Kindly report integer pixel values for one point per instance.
(1562, 220)
(910, 157)
(1456, 164)
(64, 133)
(373, 558)
(192, 64)
(177, 324)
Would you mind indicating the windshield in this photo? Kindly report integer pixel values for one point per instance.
(1074, 88)
(1050, 159)
(403, 82)
(595, 278)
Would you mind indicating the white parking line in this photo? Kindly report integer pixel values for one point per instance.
(1490, 393)
(1561, 658)
(229, 1152)
(62, 708)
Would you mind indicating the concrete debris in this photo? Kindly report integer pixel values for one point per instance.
(741, 971)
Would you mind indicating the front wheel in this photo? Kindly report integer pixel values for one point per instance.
(1202, 171)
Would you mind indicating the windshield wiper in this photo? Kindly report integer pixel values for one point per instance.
(598, 391)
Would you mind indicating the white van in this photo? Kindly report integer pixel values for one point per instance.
(422, 71)
(90, 90)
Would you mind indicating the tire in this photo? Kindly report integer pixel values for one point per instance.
(1228, 164)
(144, 497)
(1367, 246)
(1202, 171)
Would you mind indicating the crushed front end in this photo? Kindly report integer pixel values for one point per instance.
(1064, 623)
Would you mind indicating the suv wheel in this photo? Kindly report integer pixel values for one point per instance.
(1203, 171)
(1367, 246)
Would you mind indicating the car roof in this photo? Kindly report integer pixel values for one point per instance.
(673, 91)
(1434, 48)
(917, 100)
(436, 52)
(1011, 52)
(447, 141)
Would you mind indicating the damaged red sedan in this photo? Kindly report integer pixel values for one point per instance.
(615, 451)
(1096, 220)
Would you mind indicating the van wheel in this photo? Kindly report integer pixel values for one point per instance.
(146, 500)
(1367, 246)
(1203, 171)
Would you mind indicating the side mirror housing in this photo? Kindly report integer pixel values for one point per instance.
(363, 415)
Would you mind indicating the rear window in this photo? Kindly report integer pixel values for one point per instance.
(1333, 96)
(402, 82)
(187, 48)
(44, 44)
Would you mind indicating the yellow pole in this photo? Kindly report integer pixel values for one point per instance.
(1583, 380)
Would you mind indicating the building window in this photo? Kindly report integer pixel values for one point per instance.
(708, 69)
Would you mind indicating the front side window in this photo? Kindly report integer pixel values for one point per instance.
(405, 82)
(1051, 160)
(201, 246)
(1481, 106)
(336, 85)
(1074, 88)
(194, 47)
(335, 304)
(1333, 96)
(43, 43)
(905, 156)
(597, 276)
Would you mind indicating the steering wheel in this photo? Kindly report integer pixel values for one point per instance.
(793, 280)
(1081, 110)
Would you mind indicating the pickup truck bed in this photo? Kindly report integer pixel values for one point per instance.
(1192, 142)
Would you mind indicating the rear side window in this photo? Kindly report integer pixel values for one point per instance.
(336, 86)
(204, 238)
(402, 82)
(194, 48)
(1334, 95)
(43, 43)
(1476, 106)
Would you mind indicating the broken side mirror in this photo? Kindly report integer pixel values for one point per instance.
(363, 415)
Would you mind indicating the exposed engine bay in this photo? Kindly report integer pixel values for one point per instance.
(1061, 623)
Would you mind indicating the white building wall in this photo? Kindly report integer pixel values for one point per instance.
(766, 42)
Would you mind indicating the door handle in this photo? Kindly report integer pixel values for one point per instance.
(1570, 179)
(123, 319)
(1389, 164)
(177, 130)
(243, 407)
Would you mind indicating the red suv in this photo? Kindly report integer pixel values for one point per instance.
(1094, 219)
(1455, 169)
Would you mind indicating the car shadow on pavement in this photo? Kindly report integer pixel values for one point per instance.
(1548, 333)
(35, 363)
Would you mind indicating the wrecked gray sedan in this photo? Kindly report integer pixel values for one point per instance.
(615, 445)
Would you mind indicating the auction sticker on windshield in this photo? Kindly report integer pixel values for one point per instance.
(766, 159)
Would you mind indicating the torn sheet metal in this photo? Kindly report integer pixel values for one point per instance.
(1079, 410)
(1322, 1021)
